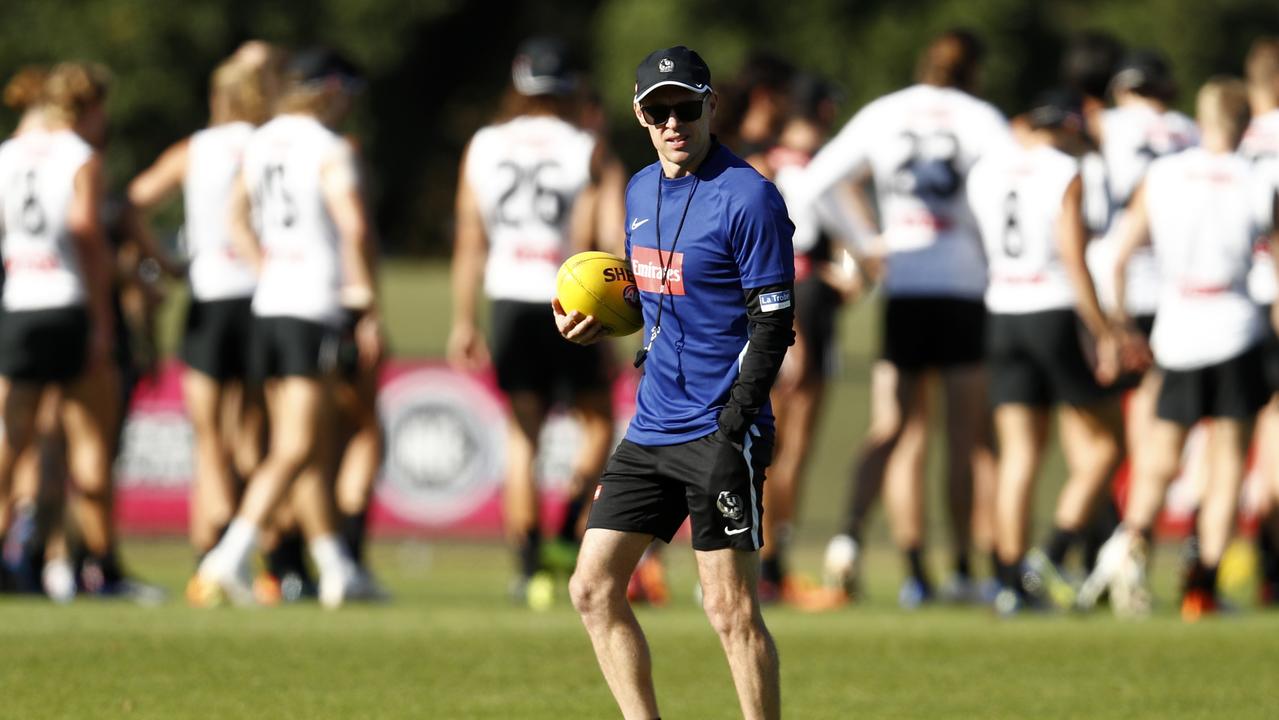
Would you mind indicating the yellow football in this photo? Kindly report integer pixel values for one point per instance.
(601, 284)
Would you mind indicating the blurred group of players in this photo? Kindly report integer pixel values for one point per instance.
(1026, 266)
(1023, 267)
(281, 343)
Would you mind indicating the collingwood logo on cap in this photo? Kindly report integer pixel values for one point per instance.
(665, 65)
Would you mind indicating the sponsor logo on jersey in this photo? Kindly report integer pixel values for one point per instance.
(649, 267)
(665, 65)
(770, 302)
(729, 505)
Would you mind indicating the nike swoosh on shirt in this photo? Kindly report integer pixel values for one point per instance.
(637, 222)
(736, 532)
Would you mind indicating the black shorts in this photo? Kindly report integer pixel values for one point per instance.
(44, 346)
(530, 356)
(216, 340)
(650, 489)
(816, 309)
(288, 346)
(1234, 389)
(921, 333)
(1036, 359)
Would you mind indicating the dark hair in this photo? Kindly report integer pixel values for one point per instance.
(1146, 72)
(765, 70)
(951, 60)
(1090, 62)
(516, 104)
(812, 97)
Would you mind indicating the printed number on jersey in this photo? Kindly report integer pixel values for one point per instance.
(929, 170)
(1014, 243)
(528, 196)
(276, 204)
(31, 216)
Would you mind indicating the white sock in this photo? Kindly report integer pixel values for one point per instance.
(329, 554)
(239, 541)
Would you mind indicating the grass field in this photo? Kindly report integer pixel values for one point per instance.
(452, 646)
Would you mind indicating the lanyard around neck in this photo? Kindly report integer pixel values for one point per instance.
(664, 261)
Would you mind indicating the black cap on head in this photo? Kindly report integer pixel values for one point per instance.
(677, 66)
(322, 65)
(1057, 108)
(542, 66)
(1145, 72)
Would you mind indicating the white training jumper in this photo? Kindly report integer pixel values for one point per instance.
(918, 144)
(527, 175)
(1202, 225)
(217, 271)
(1132, 137)
(1261, 146)
(1017, 197)
(37, 186)
(284, 164)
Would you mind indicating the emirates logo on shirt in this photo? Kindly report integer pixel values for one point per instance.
(649, 267)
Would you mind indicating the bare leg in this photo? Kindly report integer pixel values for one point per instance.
(296, 404)
(894, 397)
(729, 579)
(967, 418)
(1158, 460)
(796, 415)
(19, 402)
(89, 416)
(598, 589)
(1227, 448)
(1091, 439)
(904, 471)
(244, 423)
(594, 411)
(213, 492)
(528, 412)
(1022, 432)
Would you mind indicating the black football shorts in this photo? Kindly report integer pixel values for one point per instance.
(650, 489)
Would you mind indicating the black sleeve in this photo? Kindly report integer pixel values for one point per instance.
(771, 332)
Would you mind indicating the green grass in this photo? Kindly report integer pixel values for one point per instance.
(451, 646)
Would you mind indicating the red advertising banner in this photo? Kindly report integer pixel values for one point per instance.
(445, 457)
(442, 473)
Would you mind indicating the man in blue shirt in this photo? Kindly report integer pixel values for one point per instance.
(709, 241)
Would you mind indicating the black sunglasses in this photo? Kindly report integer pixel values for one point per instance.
(684, 112)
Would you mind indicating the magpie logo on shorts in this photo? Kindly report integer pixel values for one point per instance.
(729, 505)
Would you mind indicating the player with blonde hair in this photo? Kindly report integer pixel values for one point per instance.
(1200, 212)
(298, 216)
(58, 320)
(204, 167)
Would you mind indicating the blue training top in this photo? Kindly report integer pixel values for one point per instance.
(736, 236)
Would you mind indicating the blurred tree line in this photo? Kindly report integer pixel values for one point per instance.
(438, 67)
